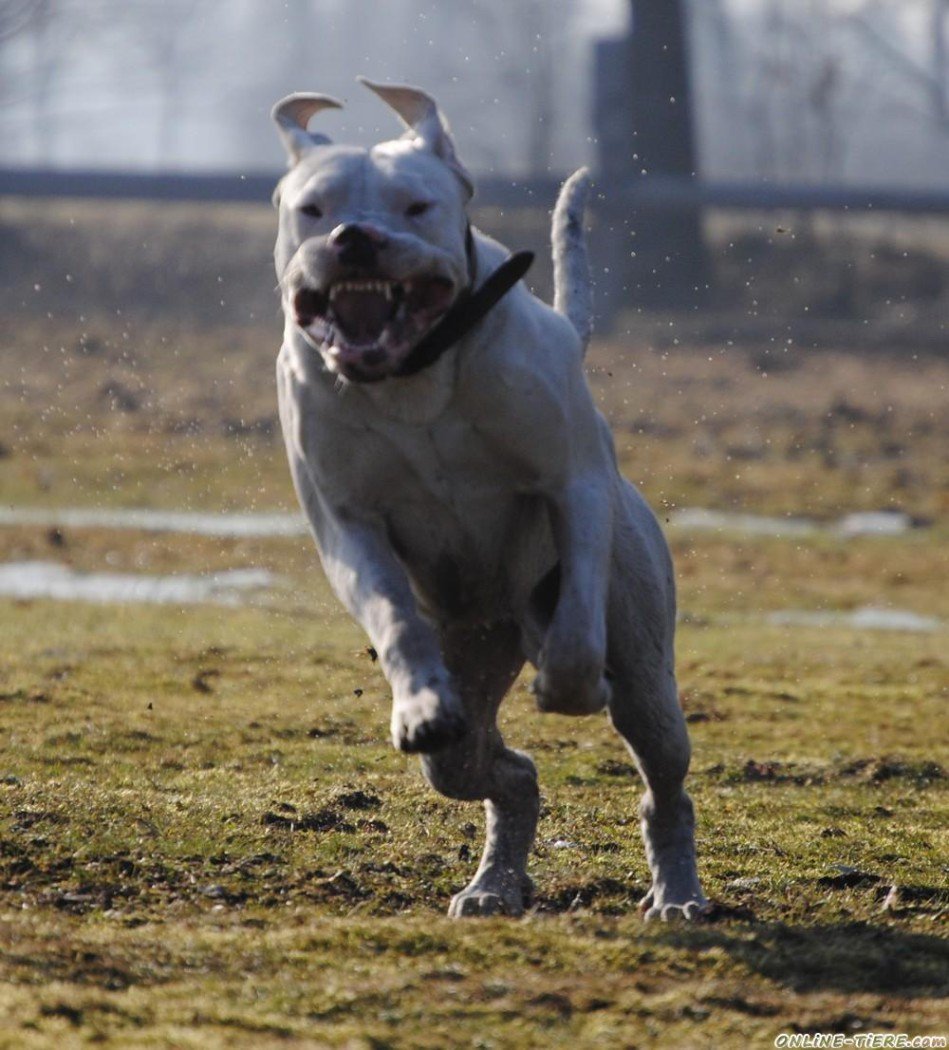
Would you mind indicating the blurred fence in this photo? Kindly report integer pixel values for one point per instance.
(655, 192)
(618, 205)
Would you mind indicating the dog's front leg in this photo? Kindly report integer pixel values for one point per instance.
(369, 580)
(571, 665)
(426, 711)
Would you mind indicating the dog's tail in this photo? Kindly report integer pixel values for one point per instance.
(573, 295)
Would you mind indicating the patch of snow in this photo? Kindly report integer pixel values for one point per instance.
(860, 523)
(44, 579)
(185, 522)
(874, 523)
(702, 519)
(867, 618)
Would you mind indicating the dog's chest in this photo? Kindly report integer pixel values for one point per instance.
(458, 512)
(447, 468)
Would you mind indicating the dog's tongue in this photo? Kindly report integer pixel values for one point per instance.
(362, 315)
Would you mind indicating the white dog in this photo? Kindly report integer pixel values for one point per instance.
(463, 489)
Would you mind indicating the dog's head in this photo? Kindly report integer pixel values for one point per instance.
(371, 251)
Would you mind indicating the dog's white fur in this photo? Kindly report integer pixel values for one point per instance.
(472, 516)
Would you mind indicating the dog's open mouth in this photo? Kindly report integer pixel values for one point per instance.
(366, 326)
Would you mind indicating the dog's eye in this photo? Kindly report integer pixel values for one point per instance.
(313, 210)
(417, 208)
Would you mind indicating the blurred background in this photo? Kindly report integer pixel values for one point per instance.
(772, 200)
(703, 121)
(851, 91)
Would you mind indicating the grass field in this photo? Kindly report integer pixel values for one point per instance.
(206, 840)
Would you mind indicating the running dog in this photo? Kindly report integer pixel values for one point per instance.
(462, 487)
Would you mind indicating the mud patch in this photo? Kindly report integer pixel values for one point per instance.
(872, 770)
(321, 820)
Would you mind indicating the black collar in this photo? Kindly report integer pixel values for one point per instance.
(467, 310)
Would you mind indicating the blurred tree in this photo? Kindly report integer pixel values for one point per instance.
(892, 51)
(792, 89)
(940, 87)
(164, 31)
(19, 16)
(524, 44)
(33, 22)
(645, 130)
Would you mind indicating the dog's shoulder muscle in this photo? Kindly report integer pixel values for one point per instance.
(524, 383)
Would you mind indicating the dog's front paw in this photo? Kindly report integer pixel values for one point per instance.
(427, 720)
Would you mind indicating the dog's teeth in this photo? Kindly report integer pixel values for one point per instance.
(385, 288)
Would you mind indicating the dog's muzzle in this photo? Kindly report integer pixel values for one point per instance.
(369, 326)
(365, 327)
(365, 314)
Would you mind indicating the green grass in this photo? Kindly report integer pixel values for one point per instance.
(207, 841)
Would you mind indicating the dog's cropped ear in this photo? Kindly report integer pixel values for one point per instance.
(420, 114)
(292, 114)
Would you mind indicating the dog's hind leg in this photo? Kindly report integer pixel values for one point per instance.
(483, 663)
(644, 709)
(646, 714)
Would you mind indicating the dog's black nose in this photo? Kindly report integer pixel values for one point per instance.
(357, 244)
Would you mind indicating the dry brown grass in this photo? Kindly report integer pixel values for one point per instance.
(172, 414)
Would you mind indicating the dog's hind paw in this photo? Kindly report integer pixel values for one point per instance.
(693, 910)
(467, 905)
(426, 722)
(481, 901)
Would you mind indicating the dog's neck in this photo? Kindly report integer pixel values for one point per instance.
(471, 306)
